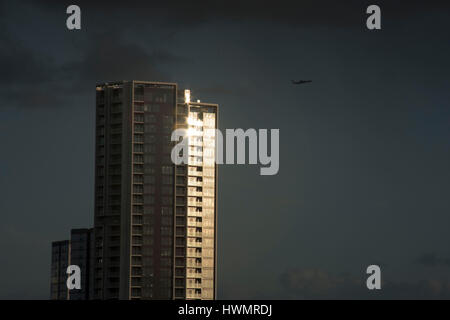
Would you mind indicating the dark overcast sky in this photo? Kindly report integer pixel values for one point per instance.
(364, 157)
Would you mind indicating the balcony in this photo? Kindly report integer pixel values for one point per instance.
(194, 224)
(194, 182)
(194, 234)
(195, 193)
(193, 152)
(194, 285)
(194, 254)
(195, 162)
(194, 244)
(194, 264)
(192, 212)
(194, 203)
(195, 143)
(192, 296)
(195, 173)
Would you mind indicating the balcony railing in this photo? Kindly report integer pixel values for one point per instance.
(194, 234)
(194, 182)
(194, 224)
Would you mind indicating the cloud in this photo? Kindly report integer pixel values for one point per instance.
(320, 284)
(224, 90)
(20, 64)
(25, 74)
(110, 57)
(35, 78)
(31, 79)
(433, 260)
(296, 13)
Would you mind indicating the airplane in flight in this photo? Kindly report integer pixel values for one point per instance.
(301, 81)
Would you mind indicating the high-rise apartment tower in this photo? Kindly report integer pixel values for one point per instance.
(155, 226)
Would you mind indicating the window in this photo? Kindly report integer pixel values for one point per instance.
(117, 92)
(137, 219)
(165, 262)
(136, 260)
(137, 240)
(136, 292)
(138, 107)
(167, 252)
(153, 108)
(137, 250)
(150, 179)
(100, 94)
(150, 118)
(167, 121)
(139, 90)
(181, 210)
(181, 201)
(117, 117)
(167, 149)
(181, 170)
(138, 127)
(136, 281)
(138, 158)
(149, 159)
(167, 129)
(150, 138)
(149, 148)
(150, 128)
(167, 180)
(167, 221)
(138, 138)
(167, 190)
(149, 199)
(137, 178)
(149, 210)
(167, 201)
(138, 188)
(167, 241)
(167, 170)
(181, 190)
(182, 110)
(149, 189)
(116, 107)
(138, 198)
(138, 117)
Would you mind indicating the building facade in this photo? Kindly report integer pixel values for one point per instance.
(81, 255)
(59, 264)
(155, 222)
(76, 251)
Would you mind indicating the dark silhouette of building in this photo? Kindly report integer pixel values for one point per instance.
(58, 276)
(81, 255)
(76, 251)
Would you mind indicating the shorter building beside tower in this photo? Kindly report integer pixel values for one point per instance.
(76, 251)
(58, 276)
